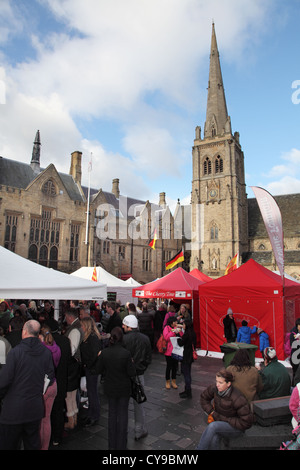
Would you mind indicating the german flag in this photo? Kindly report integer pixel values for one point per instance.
(179, 258)
(153, 240)
(232, 265)
(94, 276)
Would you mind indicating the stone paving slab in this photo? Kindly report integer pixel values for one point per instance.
(173, 423)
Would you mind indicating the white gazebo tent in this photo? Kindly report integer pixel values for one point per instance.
(121, 288)
(132, 282)
(23, 279)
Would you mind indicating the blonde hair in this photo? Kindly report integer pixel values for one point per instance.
(90, 327)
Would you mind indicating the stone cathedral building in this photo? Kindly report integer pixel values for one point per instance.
(224, 220)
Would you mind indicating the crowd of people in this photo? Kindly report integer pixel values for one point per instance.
(228, 402)
(110, 343)
(43, 361)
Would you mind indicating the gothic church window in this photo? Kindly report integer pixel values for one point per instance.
(214, 232)
(219, 164)
(74, 242)
(43, 236)
(147, 259)
(11, 232)
(49, 188)
(207, 166)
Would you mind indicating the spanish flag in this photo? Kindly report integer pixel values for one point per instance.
(153, 240)
(94, 276)
(233, 264)
(179, 258)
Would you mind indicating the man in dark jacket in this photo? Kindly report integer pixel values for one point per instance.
(114, 317)
(22, 386)
(141, 352)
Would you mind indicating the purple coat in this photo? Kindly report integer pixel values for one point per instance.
(55, 351)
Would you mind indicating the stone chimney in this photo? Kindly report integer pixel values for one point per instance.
(162, 199)
(115, 188)
(75, 168)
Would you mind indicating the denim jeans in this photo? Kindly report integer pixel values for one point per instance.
(93, 395)
(215, 431)
(186, 370)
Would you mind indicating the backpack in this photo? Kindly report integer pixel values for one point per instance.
(294, 443)
(161, 344)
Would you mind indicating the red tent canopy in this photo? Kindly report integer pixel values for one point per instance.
(255, 294)
(200, 275)
(177, 285)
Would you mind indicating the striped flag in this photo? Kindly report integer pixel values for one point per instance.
(233, 264)
(153, 240)
(179, 258)
(94, 276)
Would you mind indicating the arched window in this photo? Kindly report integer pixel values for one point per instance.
(207, 166)
(219, 165)
(32, 253)
(43, 255)
(53, 257)
(214, 232)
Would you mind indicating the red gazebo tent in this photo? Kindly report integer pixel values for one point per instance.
(178, 285)
(200, 275)
(255, 294)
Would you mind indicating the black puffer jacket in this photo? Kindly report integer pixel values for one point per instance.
(232, 408)
(140, 348)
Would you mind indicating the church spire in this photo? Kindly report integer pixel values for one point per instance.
(217, 119)
(36, 152)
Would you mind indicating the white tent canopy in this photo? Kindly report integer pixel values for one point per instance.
(122, 289)
(23, 279)
(132, 282)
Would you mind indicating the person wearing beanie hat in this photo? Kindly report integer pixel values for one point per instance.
(275, 376)
(264, 341)
(130, 321)
(230, 329)
(141, 352)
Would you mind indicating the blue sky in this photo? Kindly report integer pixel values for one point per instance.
(126, 80)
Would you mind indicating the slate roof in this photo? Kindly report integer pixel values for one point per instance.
(289, 206)
(20, 175)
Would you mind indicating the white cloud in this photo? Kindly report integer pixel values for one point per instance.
(287, 185)
(287, 176)
(135, 62)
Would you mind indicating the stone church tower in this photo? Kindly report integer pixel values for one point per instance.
(218, 199)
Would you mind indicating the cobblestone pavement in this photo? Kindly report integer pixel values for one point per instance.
(173, 423)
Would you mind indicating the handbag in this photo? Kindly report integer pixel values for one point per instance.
(137, 390)
(195, 355)
(161, 344)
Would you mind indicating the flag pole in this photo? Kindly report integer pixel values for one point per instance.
(88, 202)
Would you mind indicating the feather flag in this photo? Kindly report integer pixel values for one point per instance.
(271, 215)
(233, 264)
(178, 258)
(153, 240)
(94, 276)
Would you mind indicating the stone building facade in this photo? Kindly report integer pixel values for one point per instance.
(43, 217)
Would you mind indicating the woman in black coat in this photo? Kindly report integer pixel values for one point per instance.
(188, 341)
(116, 366)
